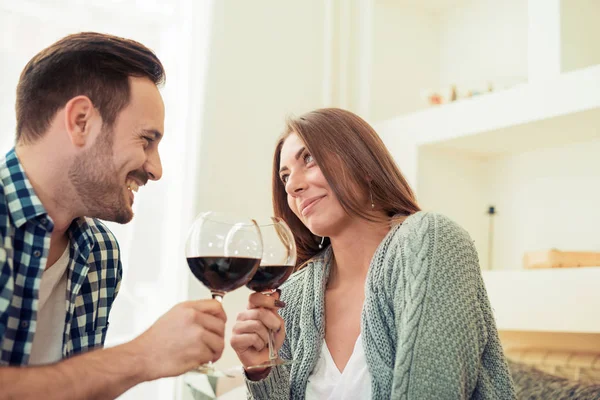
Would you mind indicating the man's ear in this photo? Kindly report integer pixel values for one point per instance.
(78, 116)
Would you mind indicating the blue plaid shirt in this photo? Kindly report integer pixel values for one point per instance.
(94, 272)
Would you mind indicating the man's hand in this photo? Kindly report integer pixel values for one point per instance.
(190, 334)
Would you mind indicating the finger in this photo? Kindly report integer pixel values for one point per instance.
(241, 343)
(268, 317)
(279, 334)
(279, 337)
(211, 323)
(251, 326)
(212, 307)
(258, 300)
(213, 342)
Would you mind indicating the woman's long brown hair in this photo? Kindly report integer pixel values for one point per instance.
(351, 155)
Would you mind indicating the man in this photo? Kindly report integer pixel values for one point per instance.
(89, 120)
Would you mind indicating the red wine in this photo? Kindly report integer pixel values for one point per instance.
(223, 274)
(269, 277)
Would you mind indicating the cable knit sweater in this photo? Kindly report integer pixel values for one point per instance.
(427, 325)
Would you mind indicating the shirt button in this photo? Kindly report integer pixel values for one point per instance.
(24, 324)
(44, 221)
(37, 254)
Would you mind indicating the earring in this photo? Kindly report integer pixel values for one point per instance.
(321, 244)
(372, 203)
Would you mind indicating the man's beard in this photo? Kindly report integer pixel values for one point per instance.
(95, 178)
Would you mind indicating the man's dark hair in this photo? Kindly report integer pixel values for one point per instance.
(91, 64)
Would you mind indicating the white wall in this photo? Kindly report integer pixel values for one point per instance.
(406, 58)
(265, 63)
(455, 184)
(12, 59)
(552, 195)
(547, 198)
(484, 41)
(579, 34)
(419, 48)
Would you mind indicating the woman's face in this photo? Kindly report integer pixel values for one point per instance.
(309, 195)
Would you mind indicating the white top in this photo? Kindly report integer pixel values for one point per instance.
(52, 310)
(327, 382)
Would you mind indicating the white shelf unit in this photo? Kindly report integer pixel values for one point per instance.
(531, 151)
(524, 151)
(511, 121)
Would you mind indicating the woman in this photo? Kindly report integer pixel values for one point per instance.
(388, 302)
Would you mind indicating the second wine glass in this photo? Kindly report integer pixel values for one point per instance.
(223, 252)
(277, 264)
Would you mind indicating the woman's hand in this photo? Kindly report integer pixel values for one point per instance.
(251, 331)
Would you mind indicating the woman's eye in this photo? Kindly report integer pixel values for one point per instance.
(284, 178)
(308, 158)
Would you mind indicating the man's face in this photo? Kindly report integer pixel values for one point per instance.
(123, 158)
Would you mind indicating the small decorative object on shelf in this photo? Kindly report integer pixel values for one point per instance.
(435, 99)
(560, 259)
(451, 94)
(455, 92)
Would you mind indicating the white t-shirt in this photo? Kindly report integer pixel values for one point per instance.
(327, 382)
(52, 310)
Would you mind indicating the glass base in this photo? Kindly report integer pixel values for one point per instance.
(270, 363)
(210, 370)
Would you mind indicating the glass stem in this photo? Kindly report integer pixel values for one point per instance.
(272, 355)
(271, 343)
(218, 296)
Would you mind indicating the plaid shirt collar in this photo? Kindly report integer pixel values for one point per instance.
(24, 205)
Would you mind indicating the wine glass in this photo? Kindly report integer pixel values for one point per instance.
(277, 264)
(223, 252)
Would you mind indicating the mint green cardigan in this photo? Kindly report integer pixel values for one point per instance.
(427, 326)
